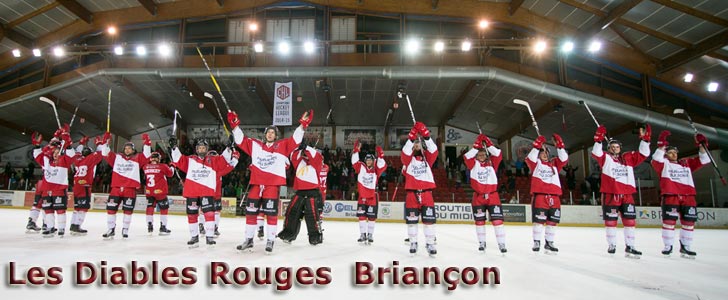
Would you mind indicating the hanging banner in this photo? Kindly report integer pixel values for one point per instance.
(282, 104)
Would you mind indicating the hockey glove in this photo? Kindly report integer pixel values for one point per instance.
(233, 119)
(558, 141)
(662, 139)
(36, 138)
(538, 143)
(600, 134)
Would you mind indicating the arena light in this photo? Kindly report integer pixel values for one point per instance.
(483, 24)
(36, 52)
(141, 50)
(567, 47)
(164, 50)
(595, 46)
(308, 47)
(16, 52)
(258, 47)
(284, 48)
(540, 46)
(253, 26)
(712, 86)
(439, 46)
(111, 30)
(411, 46)
(119, 50)
(58, 51)
(465, 47)
(688, 77)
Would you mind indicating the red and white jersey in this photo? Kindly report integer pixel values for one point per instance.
(545, 175)
(483, 175)
(126, 169)
(676, 178)
(618, 172)
(323, 174)
(202, 173)
(366, 178)
(156, 178)
(55, 172)
(227, 155)
(307, 169)
(86, 168)
(416, 169)
(268, 162)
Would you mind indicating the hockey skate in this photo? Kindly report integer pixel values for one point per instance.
(247, 245)
(194, 242)
(631, 252)
(77, 230)
(413, 248)
(150, 228)
(31, 227)
(217, 232)
(667, 251)
(210, 241)
(536, 246)
(202, 229)
(362, 238)
(502, 248)
(370, 239)
(549, 248)
(269, 247)
(481, 247)
(407, 241)
(61, 233)
(48, 233)
(431, 250)
(261, 233)
(612, 249)
(125, 233)
(163, 230)
(685, 252)
(109, 235)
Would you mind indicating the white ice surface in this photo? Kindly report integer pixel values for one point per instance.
(582, 270)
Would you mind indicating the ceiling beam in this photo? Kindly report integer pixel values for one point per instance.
(29, 16)
(149, 100)
(151, 7)
(263, 97)
(68, 107)
(694, 12)
(221, 3)
(434, 4)
(634, 46)
(514, 6)
(455, 104)
(539, 113)
(711, 44)
(15, 37)
(78, 10)
(199, 95)
(613, 15)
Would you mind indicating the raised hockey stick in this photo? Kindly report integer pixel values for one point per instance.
(214, 81)
(212, 98)
(108, 113)
(707, 151)
(75, 111)
(592, 116)
(174, 122)
(55, 111)
(524, 103)
(166, 147)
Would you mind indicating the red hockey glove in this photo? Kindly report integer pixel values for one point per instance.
(83, 140)
(413, 134)
(147, 141)
(478, 144)
(36, 138)
(380, 151)
(58, 133)
(48, 150)
(422, 129)
(107, 137)
(485, 139)
(236, 154)
(646, 134)
(538, 143)
(66, 137)
(306, 119)
(233, 119)
(600, 134)
(558, 141)
(357, 146)
(662, 139)
(700, 139)
(99, 140)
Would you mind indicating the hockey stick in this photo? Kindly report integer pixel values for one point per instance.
(166, 147)
(224, 101)
(174, 122)
(592, 116)
(212, 98)
(55, 111)
(707, 151)
(108, 113)
(76, 111)
(524, 103)
(478, 124)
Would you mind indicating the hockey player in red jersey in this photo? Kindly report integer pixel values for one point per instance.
(417, 160)
(55, 163)
(32, 227)
(618, 185)
(269, 161)
(125, 181)
(156, 191)
(368, 173)
(307, 202)
(677, 191)
(201, 184)
(85, 163)
(482, 161)
(546, 190)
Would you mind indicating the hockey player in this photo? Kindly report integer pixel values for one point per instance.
(85, 163)
(417, 160)
(546, 190)
(201, 185)
(267, 173)
(618, 185)
(217, 206)
(482, 161)
(55, 163)
(125, 181)
(307, 201)
(677, 191)
(32, 227)
(368, 173)
(156, 190)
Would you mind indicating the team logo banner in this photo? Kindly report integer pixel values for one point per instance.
(282, 104)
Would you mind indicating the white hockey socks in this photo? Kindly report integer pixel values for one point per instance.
(537, 231)
(412, 232)
(371, 228)
(500, 234)
(480, 232)
(550, 233)
(686, 236)
(110, 221)
(430, 233)
(611, 235)
(629, 236)
(362, 226)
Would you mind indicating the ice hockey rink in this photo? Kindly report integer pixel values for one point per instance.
(582, 269)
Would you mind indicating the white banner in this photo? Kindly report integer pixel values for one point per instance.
(283, 104)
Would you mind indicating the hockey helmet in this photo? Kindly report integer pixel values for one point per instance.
(156, 155)
(212, 153)
(275, 130)
(369, 156)
(86, 151)
(670, 148)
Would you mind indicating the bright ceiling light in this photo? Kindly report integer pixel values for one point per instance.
(119, 50)
(36, 52)
(284, 48)
(164, 50)
(439, 46)
(111, 30)
(688, 77)
(466, 46)
(16, 52)
(412, 46)
(141, 50)
(308, 47)
(540, 46)
(253, 26)
(712, 86)
(258, 47)
(595, 46)
(483, 24)
(567, 47)
(58, 51)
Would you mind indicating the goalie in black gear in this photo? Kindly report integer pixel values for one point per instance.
(307, 202)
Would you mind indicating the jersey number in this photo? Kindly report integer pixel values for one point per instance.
(150, 181)
(81, 171)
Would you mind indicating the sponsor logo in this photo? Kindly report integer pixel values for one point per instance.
(339, 207)
(327, 207)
